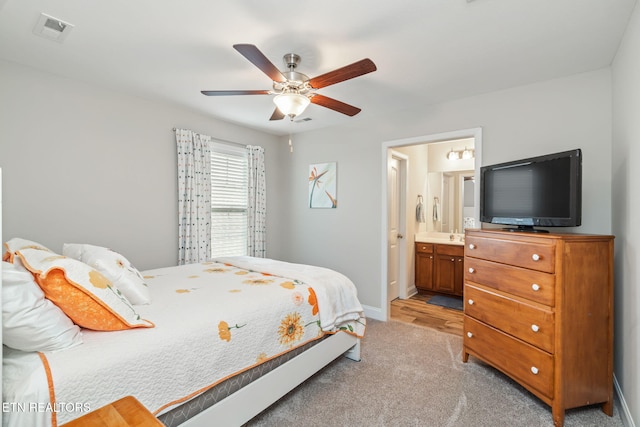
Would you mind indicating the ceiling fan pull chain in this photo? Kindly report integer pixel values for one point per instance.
(290, 143)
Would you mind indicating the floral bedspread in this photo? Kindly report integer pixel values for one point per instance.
(212, 320)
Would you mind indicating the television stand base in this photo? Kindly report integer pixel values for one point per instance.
(525, 229)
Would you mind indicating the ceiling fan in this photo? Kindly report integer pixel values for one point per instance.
(294, 91)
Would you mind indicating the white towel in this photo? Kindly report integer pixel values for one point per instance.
(420, 212)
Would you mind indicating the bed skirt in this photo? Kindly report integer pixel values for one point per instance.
(200, 403)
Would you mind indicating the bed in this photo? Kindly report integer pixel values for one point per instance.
(217, 341)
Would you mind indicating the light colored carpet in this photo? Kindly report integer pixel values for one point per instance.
(414, 376)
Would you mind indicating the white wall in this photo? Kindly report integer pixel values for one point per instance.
(626, 209)
(525, 121)
(85, 164)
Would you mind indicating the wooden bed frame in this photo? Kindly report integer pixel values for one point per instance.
(249, 401)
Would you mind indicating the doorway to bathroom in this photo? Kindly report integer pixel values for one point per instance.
(424, 203)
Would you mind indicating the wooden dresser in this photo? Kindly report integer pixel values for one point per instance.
(539, 308)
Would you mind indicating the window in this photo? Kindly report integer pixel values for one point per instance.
(228, 200)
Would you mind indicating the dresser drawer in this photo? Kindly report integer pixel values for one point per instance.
(532, 255)
(530, 366)
(533, 285)
(424, 248)
(533, 324)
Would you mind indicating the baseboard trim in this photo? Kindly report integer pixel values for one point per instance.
(625, 414)
(373, 313)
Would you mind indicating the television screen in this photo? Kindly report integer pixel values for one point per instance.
(543, 191)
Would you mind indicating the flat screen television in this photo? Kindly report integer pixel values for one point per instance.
(544, 191)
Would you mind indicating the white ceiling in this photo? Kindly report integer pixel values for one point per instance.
(426, 51)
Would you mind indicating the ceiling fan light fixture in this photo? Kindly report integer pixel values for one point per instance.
(291, 104)
(294, 90)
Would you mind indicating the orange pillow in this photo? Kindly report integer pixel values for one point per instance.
(82, 293)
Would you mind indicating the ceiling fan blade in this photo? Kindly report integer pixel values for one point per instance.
(258, 59)
(347, 72)
(335, 105)
(234, 92)
(277, 115)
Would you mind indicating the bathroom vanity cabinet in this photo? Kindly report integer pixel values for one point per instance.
(439, 268)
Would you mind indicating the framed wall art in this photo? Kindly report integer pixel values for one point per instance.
(323, 185)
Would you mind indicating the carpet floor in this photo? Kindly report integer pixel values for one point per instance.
(414, 376)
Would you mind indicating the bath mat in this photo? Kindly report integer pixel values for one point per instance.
(445, 301)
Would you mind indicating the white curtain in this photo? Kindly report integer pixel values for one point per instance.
(257, 206)
(194, 196)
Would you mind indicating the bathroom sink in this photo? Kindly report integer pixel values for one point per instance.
(440, 238)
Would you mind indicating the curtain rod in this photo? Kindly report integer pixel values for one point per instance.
(223, 140)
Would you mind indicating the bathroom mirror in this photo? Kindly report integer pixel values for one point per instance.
(450, 201)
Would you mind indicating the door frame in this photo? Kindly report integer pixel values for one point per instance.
(475, 133)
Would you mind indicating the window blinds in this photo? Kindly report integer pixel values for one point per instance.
(228, 200)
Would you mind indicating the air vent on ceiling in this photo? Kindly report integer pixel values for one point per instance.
(304, 119)
(52, 28)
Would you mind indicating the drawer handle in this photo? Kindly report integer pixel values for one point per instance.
(535, 257)
(453, 260)
(534, 370)
(471, 302)
(472, 246)
(472, 270)
(469, 334)
(535, 328)
(535, 287)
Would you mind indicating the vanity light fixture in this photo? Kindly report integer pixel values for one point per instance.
(465, 154)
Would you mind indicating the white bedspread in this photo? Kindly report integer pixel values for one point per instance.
(213, 320)
(337, 295)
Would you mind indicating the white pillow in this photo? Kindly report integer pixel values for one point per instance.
(114, 267)
(14, 245)
(30, 322)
